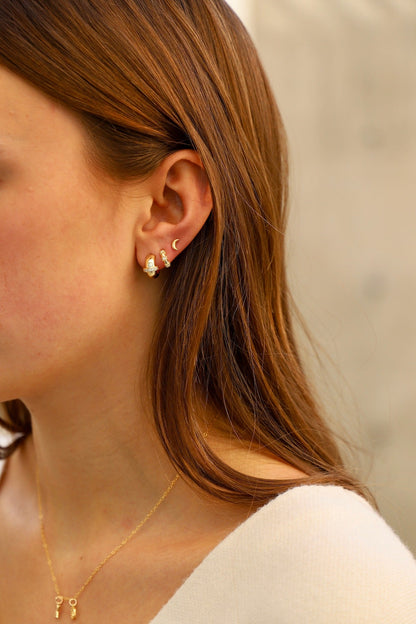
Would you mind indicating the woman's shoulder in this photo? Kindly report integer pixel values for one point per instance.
(317, 553)
(330, 548)
(329, 520)
(341, 553)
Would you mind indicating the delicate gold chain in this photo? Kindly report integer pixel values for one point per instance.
(73, 600)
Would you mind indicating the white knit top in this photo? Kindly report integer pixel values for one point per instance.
(314, 555)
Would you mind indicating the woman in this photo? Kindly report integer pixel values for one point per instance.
(171, 464)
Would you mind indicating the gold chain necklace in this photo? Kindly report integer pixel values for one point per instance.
(73, 600)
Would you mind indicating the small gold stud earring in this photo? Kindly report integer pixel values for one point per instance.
(175, 243)
(151, 269)
(164, 258)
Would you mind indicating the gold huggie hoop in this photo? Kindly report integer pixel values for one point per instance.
(164, 258)
(151, 269)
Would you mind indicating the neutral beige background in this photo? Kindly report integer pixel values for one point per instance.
(344, 73)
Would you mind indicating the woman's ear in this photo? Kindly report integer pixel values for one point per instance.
(181, 202)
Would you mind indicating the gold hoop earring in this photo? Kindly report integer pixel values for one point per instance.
(164, 258)
(151, 269)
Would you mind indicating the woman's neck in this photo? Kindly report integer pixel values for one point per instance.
(100, 464)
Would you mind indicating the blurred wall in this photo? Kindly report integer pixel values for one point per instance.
(246, 10)
(344, 73)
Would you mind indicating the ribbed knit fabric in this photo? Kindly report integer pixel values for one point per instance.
(314, 555)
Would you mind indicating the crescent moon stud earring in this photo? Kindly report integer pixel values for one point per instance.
(175, 243)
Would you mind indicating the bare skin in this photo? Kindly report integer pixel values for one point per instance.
(76, 319)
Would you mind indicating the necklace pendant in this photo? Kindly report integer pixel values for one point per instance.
(73, 603)
(58, 604)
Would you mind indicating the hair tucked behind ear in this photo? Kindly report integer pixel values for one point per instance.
(148, 78)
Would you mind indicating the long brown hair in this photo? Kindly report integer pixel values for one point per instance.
(148, 78)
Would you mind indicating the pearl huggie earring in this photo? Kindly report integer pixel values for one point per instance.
(151, 269)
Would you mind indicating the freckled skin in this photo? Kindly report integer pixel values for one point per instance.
(66, 252)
